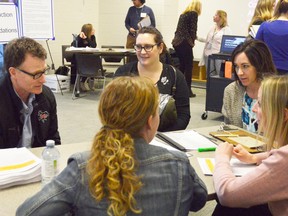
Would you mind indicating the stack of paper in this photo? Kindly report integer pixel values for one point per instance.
(18, 166)
(238, 168)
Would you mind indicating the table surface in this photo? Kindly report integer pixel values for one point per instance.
(101, 51)
(11, 198)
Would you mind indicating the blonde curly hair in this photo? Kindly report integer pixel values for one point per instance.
(124, 108)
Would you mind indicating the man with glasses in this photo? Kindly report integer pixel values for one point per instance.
(135, 14)
(28, 108)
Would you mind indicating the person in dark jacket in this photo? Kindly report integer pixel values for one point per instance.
(135, 14)
(184, 39)
(86, 38)
(28, 108)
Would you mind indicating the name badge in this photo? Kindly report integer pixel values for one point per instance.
(143, 14)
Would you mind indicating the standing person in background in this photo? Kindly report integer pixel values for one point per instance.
(214, 38)
(134, 15)
(184, 39)
(252, 61)
(27, 107)
(263, 12)
(86, 38)
(267, 183)
(275, 34)
(149, 47)
(123, 174)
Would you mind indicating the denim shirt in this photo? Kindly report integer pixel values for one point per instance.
(171, 187)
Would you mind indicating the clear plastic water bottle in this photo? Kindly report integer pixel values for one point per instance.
(50, 159)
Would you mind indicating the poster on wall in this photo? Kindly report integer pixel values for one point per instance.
(29, 18)
(8, 21)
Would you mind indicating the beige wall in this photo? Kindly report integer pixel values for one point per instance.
(108, 16)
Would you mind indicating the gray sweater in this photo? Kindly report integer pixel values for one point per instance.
(232, 104)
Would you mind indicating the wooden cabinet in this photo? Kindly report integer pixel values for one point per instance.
(198, 73)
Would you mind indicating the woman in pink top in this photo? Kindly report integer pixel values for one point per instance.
(268, 183)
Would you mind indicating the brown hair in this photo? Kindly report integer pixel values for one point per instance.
(258, 55)
(16, 50)
(281, 8)
(87, 30)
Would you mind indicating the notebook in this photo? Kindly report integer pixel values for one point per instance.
(229, 43)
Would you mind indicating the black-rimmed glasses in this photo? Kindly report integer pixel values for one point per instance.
(147, 47)
(37, 75)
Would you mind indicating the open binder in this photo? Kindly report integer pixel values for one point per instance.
(185, 140)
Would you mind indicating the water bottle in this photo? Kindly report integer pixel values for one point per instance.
(50, 159)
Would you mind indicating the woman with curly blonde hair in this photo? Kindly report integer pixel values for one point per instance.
(123, 174)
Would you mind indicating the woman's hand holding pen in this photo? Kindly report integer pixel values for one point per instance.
(243, 155)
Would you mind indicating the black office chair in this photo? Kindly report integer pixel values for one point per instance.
(66, 56)
(90, 66)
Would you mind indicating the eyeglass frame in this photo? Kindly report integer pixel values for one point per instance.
(37, 75)
(143, 47)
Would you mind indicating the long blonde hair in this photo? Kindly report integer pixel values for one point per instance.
(124, 108)
(195, 6)
(274, 101)
(263, 11)
(223, 16)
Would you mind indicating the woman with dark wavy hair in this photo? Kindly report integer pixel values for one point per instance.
(123, 174)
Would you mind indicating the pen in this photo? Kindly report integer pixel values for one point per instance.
(206, 149)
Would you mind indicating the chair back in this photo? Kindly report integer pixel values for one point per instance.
(89, 65)
(74, 41)
(66, 55)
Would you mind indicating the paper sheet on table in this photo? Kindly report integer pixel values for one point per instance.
(163, 145)
(189, 139)
(238, 168)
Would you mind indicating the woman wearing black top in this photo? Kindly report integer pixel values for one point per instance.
(86, 38)
(149, 46)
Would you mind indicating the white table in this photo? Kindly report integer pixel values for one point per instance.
(11, 198)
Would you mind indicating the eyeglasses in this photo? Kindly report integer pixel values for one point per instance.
(37, 75)
(147, 47)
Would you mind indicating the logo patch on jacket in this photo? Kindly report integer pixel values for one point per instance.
(164, 80)
(43, 116)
